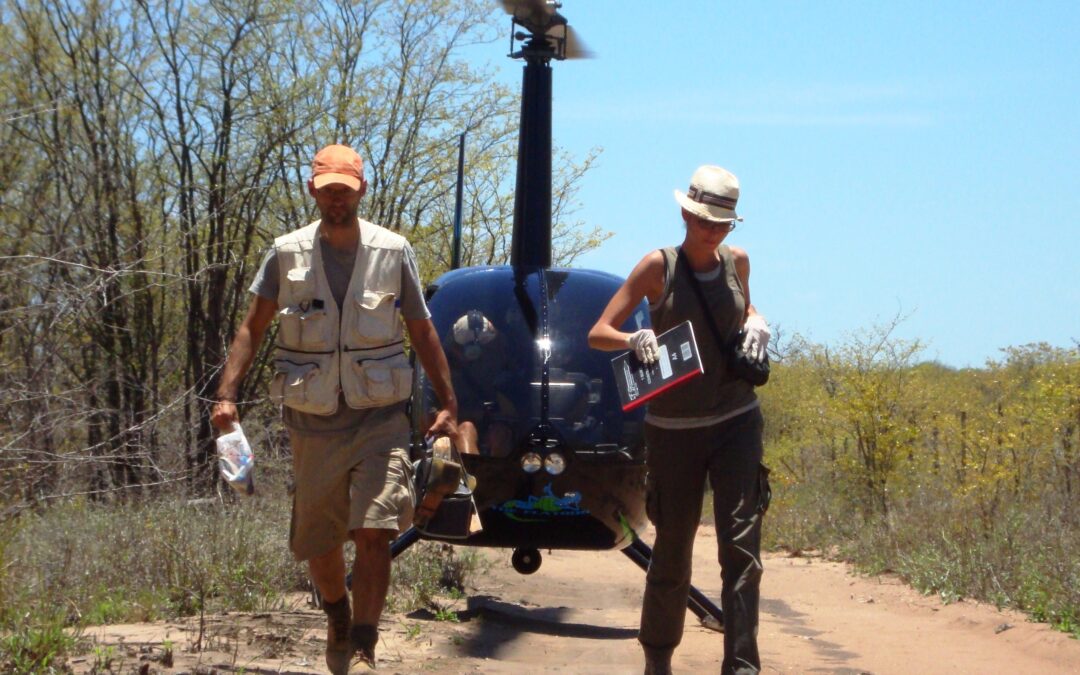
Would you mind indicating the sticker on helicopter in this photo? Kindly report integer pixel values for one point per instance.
(537, 509)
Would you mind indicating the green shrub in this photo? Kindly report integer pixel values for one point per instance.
(37, 645)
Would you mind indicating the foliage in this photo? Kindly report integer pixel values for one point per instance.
(962, 481)
(429, 570)
(108, 563)
(152, 152)
(82, 563)
(37, 647)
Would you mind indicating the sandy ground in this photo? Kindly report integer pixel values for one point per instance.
(579, 613)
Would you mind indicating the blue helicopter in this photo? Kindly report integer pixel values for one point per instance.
(557, 463)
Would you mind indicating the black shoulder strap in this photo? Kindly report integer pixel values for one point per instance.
(667, 279)
(696, 285)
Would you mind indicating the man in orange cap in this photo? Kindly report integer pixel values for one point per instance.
(341, 288)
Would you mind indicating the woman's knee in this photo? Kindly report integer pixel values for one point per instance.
(739, 563)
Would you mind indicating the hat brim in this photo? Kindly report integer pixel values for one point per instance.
(324, 179)
(716, 214)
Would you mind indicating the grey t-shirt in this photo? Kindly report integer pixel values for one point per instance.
(338, 266)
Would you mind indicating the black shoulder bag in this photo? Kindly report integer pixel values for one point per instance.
(739, 363)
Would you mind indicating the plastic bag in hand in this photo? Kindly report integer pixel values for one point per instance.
(236, 460)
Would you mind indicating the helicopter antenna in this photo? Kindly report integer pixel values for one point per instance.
(546, 36)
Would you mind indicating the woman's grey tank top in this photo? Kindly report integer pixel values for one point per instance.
(717, 392)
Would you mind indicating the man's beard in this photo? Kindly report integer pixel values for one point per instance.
(339, 217)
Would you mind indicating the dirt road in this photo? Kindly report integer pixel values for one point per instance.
(579, 613)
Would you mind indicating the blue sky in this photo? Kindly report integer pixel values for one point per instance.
(916, 158)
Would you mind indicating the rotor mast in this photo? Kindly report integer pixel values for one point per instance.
(531, 238)
(546, 36)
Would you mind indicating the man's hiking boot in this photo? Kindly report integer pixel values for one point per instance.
(339, 649)
(364, 638)
(658, 661)
(443, 477)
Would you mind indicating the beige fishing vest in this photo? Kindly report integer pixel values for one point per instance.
(358, 350)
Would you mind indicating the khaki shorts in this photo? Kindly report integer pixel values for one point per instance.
(348, 480)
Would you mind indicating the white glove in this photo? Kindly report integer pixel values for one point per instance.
(643, 342)
(757, 337)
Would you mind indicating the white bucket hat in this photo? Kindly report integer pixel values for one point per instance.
(713, 193)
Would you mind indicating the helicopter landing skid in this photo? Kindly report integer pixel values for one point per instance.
(707, 613)
(407, 539)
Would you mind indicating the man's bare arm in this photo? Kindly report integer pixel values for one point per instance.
(241, 353)
(425, 341)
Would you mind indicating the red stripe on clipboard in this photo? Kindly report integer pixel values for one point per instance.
(636, 402)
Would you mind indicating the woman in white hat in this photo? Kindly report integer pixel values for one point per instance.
(707, 426)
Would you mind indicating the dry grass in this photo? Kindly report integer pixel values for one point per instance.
(1025, 555)
(80, 563)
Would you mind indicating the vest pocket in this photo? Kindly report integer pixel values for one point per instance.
(296, 382)
(301, 328)
(376, 317)
(379, 381)
(300, 280)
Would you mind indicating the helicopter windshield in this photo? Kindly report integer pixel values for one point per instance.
(518, 353)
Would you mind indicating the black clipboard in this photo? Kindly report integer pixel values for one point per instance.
(678, 361)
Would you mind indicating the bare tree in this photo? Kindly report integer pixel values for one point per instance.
(153, 151)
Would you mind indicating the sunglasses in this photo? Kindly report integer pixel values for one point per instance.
(713, 226)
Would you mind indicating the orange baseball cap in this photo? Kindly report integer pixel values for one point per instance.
(337, 164)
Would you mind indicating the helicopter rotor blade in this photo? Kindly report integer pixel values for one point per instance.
(529, 12)
(539, 16)
(575, 46)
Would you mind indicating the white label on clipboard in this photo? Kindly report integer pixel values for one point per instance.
(665, 363)
(686, 350)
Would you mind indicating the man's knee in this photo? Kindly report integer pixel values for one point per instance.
(327, 559)
(370, 537)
